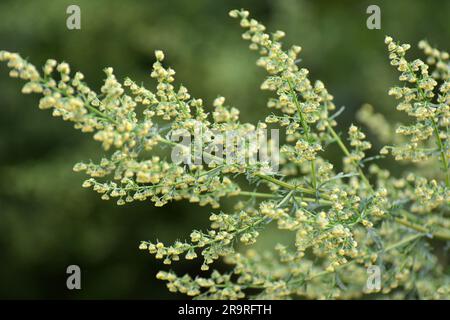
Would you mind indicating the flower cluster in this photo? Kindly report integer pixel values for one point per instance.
(359, 145)
(424, 99)
(332, 225)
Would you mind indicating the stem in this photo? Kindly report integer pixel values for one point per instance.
(388, 248)
(306, 129)
(166, 141)
(403, 220)
(347, 153)
(324, 198)
(86, 103)
(286, 185)
(101, 114)
(313, 172)
(442, 152)
(442, 235)
(436, 132)
(270, 195)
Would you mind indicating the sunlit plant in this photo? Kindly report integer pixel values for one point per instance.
(338, 224)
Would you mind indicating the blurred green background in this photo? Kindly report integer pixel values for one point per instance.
(47, 221)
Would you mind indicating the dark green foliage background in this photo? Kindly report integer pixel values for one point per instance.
(47, 221)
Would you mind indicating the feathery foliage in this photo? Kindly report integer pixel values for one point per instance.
(339, 223)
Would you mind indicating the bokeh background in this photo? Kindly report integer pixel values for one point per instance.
(47, 221)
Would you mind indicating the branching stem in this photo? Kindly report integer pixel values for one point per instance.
(306, 129)
(347, 153)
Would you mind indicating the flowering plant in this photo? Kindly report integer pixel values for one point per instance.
(338, 225)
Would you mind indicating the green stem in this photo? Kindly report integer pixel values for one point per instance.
(324, 199)
(442, 235)
(306, 129)
(270, 195)
(313, 172)
(388, 248)
(101, 114)
(285, 184)
(403, 220)
(259, 175)
(442, 152)
(86, 103)
(436, 132)
(347, 153)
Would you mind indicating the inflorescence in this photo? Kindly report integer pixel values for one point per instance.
(340, 223)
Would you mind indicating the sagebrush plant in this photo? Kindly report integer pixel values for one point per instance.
(340, 223)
